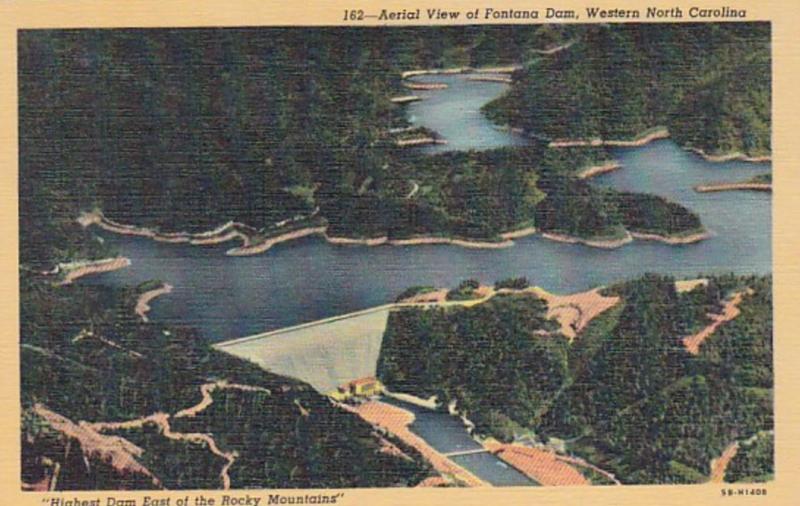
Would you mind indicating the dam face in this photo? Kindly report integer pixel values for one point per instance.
(326, 353)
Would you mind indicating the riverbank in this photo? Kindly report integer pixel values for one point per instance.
(411, 85)
(396, 421)
(253, 245)
(415, 241)
(223, 233)
(518, 234)
(539, 465)
(491, 79)
(143, 303)
(595, 243)
(256, 247)
(723, 187)
(729, 157)
(405, 99)
(646, 137)
(674, 240)
(508, 69)
(419, 141)
(596, 170)
(76, 270)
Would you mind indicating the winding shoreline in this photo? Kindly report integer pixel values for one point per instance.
(491, 79)
(595, 243)
(656, 134)
(411, 85)
(672, 240)
(729, 157)
(384, 240)
(596, 170)
(722, 187)
(508, 69)
(262, 246)
(143, 303)
(77, 270)
(419, 141)
(252, 245)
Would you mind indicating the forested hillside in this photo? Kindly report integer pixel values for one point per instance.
(185, 130)
(88, 360)
(708, 83)
(278, 129)
(232, 122)
(627, 394)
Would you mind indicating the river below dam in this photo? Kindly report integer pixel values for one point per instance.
(309, 279)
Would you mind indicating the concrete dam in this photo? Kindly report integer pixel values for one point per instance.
(324, 353)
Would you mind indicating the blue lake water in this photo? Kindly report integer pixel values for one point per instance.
(455, 113)
(309, 279)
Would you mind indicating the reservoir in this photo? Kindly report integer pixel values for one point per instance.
(309, 279)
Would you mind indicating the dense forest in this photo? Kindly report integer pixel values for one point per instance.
(88, 358)
(487, 358)
(708, 83)
(625, 394)
(188, 129)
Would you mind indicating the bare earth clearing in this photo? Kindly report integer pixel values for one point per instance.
(719, 465)
(118, 452)
(729, 311)
(573, 312)
(122, 454)
(539, 465)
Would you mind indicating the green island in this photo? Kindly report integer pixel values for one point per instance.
(625, 394)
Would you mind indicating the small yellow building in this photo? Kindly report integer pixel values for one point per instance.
(362, 387)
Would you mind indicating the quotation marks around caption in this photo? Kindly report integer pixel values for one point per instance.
(198, 500)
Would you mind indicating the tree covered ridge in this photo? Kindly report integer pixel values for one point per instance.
(187, 129)
(227, 121)
(86, 356)
(626, 394)
(708, 83)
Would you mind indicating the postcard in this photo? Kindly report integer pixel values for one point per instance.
(401, 253)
